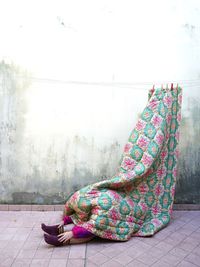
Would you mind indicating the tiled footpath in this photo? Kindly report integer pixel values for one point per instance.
(22, 244)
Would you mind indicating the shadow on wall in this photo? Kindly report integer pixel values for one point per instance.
(188, 180)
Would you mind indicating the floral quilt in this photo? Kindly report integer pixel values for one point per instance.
(138, 199)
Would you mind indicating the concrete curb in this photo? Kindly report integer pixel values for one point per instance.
(186, 207)
(13, 207)
(10, 207)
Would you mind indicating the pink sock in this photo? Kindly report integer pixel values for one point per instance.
(80, 232)
(67, 220)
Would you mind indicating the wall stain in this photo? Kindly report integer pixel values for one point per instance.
(188, 182)
(35, 198)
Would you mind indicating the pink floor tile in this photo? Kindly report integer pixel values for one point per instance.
(6, 262)
(90, 264)
(111, 252)
(177, 251)
(60, 253)
(57, 263)
(164, 246)
(21, 263)
(136, 263)
(39, 263)
(156, 252)
(186, 264)
(147, 259)
(112, 263)
(75, 263)
(196, 251)
(22, 244)
(134, 252)
(43, 254)
(161, 263)
(193, 258)
(99, 258)
(77, 251)
(123, 259)
(171, 259)
(26, 254)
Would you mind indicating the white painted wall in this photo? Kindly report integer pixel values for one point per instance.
(72, 133)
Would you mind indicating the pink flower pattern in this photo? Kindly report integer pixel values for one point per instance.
(143, 188)
(177, 135)
(159, 190)
(114, 214)
(175, 172)
(140, 125)
(161, 172)
(170, 210)
(128, 163)
(156, 120)
(156, 222)
(163, 155)
(179, 117)
(168, 101)
(128, 147)
(147, 159)
(173, 191)
(177, 152)
(169, 117)
(180, 99)
(108, 235)
(156, 209)
(144, 206)
(159, 138)
(153, 104)
(130, 174)
(143, 142)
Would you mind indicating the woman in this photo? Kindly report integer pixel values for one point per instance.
(138, 199)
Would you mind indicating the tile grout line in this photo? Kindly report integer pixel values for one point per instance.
(182, 248)
(184, 222)
(68, 255)
(37, 250)
(190, 251)
(171, 248)
(22, 246)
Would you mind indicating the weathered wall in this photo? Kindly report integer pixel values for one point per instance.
(56, 137)
(188, 183)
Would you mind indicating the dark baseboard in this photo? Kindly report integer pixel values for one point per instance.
(186, 207)
(18, 207)
(12, 207)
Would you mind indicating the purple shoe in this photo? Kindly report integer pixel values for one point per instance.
(52, 230)
(53, 240)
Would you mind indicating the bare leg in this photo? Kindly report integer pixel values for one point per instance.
(68, 227)
(71, 231)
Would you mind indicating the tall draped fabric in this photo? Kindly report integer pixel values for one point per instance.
(138, 199)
